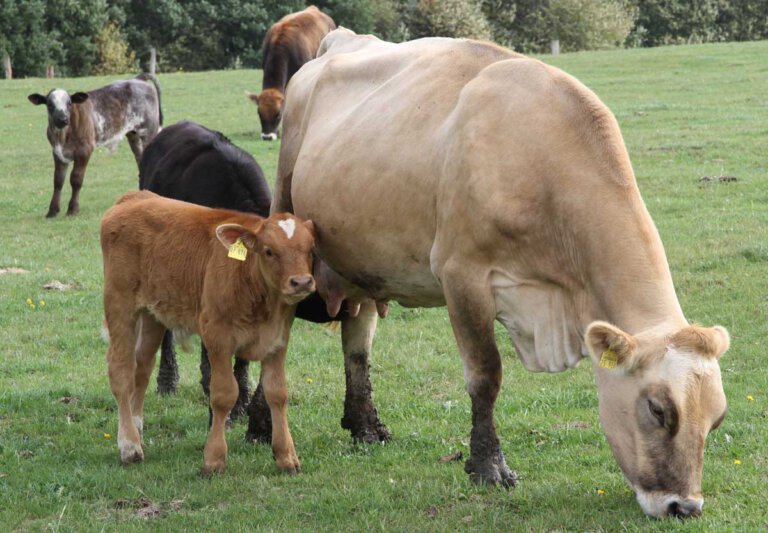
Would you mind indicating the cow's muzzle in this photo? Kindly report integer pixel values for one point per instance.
(685, 508)
(61, 122)
(269, 136)
(299, 287)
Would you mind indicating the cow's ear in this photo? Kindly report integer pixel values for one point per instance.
(709, 342)
(252, 97)
(609, 346)
(79, 98)
(228, 234)
(311, 228)
(37, 99)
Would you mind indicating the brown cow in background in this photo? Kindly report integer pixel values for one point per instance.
(289, 43)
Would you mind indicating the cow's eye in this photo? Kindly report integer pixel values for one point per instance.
(268, 252)
(657, 411)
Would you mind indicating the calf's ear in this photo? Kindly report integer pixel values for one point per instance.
(311, 228)
(79, 98)
(252, 97)
(609, 346)
(229, 233)
(710, 342)
(37, 99)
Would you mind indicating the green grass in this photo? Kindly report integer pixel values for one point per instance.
(686, 112)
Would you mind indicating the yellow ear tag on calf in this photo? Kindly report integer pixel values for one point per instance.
(609, 359)
(238, 250)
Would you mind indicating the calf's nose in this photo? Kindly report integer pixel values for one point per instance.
(269, 136)
(302, 283)
(685, 508)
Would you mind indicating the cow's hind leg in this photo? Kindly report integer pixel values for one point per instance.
(259, 417)
(121, 364)
(471, 309)
(360, 415)
(76, 181)
(136, 142)
(276, 393)
(150, 335)
(168, 374)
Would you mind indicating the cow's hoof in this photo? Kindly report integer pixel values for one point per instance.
(72, 211)
(212, 469)
(290, 466)
(491, 472)
(52, 213)
(166, 389)
(130, 453)
(372, 434)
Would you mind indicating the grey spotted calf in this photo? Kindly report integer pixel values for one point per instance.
(77, 124)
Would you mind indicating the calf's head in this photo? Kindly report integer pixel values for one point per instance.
(659, 398)
(270, 105)
(279, 250)
(59, 104)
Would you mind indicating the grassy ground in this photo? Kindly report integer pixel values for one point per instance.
(686, 112)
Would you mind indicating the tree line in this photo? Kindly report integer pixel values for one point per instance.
(82, 37)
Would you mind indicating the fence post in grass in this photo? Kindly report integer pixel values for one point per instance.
(152, 60)
(7, 65)
(49, 73)
(554, 45)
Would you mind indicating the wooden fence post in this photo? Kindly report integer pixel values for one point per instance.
(49, 73)
(7, 65)
(152, 60)
(554, 45)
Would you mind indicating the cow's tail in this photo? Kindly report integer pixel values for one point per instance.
(146, 76)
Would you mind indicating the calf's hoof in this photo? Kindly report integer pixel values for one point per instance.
(289, 464)
(212, 469)
(52, 213)
(130, 453)
(491, 471)
(72, 212)
(371, 434)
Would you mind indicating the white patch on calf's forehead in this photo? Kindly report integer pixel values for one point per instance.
(58, 98)
(288, 226)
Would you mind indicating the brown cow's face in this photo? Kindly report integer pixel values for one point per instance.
(282, 246)
(59, 105)
(659, 398)
(270, 104)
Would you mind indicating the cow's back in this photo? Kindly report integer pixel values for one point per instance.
(189, 162)
(294, 39)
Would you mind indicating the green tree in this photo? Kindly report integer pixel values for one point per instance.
(448, 18)
(73, 26)
(114, 57)
(23, 36)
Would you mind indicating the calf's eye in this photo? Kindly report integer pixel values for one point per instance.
(657, 411)
(268, 252)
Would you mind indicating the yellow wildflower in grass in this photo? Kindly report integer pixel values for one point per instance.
(107, 436)
(42, 303)
(750, 398)
(600, 492)
(309, 380)
(32, 306)
(737, 461)
(30, 302)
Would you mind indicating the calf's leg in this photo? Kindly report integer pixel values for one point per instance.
(471, 310)
(276, 394)
(241, 376)
(223, 397)
(59, 175)
(360, 415)
(150, 334)
(121, 364)
(168, 374)
(76, 180)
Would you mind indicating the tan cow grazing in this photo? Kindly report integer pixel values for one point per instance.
(289, 43)
(455, 172)
(166, 265)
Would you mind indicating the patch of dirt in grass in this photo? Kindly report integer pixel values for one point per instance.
(573, 424)
(451, 457)
(56, 285)
(145, 508)
(13, 270)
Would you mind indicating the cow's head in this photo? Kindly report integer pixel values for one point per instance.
(659, 398)
(282, 245)
(59, 104)
(270, 104)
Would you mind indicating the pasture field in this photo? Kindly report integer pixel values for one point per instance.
(685, 112)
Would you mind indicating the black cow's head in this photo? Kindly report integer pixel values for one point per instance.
(59, 104)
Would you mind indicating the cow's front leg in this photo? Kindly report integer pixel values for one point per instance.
(223, 397)
(471, 310)
(276, 394)
(76, 180)
(59, 175)
(360, 415)
(241, 376)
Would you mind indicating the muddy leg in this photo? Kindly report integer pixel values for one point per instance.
(121, 363)
(137, 145)
(259, 417)
(168, 374)
(243, 389)
(76, 180)
(149, 337)
(276, 393)
(360, 416)
(471, 309)
(223, 397)
(59, 175)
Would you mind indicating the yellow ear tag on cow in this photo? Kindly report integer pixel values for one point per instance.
(238, 250)
(609, 359)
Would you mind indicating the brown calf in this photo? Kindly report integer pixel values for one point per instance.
(77, 124)
(290, 42)
(166, 266)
